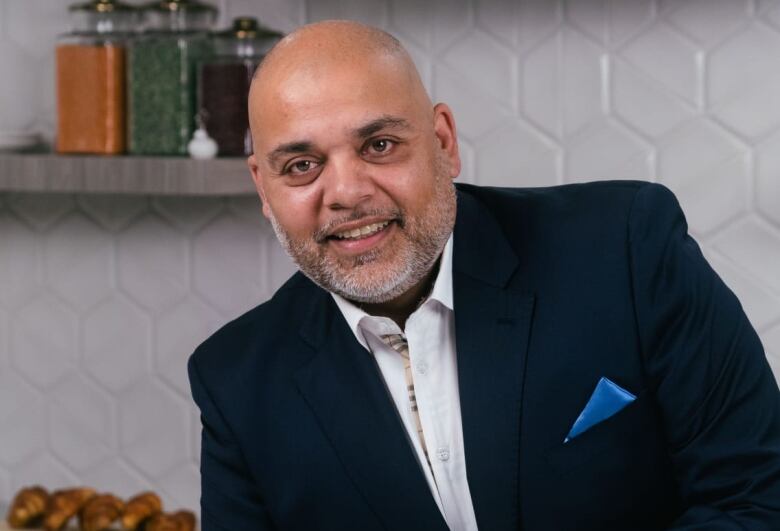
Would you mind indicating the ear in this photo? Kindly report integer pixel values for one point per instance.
(257, 177)
(444, 129)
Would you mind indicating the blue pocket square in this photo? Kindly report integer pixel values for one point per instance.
(607, 399)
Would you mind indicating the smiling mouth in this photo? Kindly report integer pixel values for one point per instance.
(361, 232)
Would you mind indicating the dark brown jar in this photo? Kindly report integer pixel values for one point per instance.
(224, 83)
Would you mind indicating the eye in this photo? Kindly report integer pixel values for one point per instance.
(300, 167)
(380, 146)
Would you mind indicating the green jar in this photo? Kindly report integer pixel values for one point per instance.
(161, 76)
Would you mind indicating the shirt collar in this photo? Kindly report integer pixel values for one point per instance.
(357, 319)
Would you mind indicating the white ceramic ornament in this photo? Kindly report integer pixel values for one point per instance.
(202, 146)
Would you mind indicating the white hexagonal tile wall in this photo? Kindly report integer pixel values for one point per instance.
(116, 343)
(152, 264)
(227, 262)
(113, 212)
(434, 25)
(755, 249)
(644, 103)
(609, 21)
(40, 210)
(81, 423)
(78, 261)
(413, 21)
(281, 15)
(19, 269)
(708, 171)
(549, 97)
(113, 475)
(179, 331)
(153, 428)
(488, 64)
(761, 307)
(5, 476)
(741, 73)
(14, 117)
(189, 214)
(5, 360)
(518, 24)
(668, 59)
(22, 420)
(279, 266)
(709, 22)
(373, 13)
(48, 17)
(182, 484)
(44, 340)
(42, 470)
(608, 151)
(772, 344)
(195, 434)
(517, 155)
(767, 180)
(475, 112)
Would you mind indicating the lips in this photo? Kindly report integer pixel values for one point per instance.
(361, 232)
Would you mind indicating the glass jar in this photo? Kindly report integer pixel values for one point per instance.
(91, 78)
(224, 83)
(161, 75)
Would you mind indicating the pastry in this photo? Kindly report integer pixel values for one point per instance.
(178, 521)
(64, 504)
(139, 508)
(28, 507)
(100, 512)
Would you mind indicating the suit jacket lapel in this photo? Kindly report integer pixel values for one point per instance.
(492, 324)
(344, 388)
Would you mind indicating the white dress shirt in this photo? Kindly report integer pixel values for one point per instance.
(430, 332)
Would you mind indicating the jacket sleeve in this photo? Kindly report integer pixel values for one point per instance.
(717, 397)
(229, 500)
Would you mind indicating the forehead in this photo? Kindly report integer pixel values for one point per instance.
(314, 99)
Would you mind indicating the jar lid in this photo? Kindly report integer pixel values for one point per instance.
(248, 28)
(174, 6)
(102, 6)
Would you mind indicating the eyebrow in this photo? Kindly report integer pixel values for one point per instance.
(290, 148)
(385, 122)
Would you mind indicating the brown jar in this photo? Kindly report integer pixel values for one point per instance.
(91, 78)
(224, 83)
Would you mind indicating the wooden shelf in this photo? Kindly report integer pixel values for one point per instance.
(44, 172)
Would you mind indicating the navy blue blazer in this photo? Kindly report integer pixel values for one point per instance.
(554, 288)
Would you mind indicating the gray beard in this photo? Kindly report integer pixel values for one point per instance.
(425, 247)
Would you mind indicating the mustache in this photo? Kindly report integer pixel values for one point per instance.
(321, 234)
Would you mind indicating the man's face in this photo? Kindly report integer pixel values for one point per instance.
(354, 178)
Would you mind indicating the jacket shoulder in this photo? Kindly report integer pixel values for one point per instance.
(259, 330)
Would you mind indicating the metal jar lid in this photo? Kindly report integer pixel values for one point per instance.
(102, 6)
(173, 6)
(248, 28)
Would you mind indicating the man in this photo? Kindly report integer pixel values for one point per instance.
(538, 359)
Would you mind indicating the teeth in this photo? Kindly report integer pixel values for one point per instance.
(362, 231)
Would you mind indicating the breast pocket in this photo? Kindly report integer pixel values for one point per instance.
(619, 439)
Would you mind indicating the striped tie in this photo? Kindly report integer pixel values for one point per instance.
(398, 343)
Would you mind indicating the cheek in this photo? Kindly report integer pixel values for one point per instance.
(296, 209)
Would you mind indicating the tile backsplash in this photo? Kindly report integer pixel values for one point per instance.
(103, 298)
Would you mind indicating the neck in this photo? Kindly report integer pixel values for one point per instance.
(400, 308)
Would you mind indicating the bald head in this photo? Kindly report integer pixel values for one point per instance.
(334, 55)
(340, 36)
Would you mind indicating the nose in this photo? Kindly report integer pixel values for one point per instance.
(347, 182)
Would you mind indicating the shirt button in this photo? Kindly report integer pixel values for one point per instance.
(443, 453)
(422, 367)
